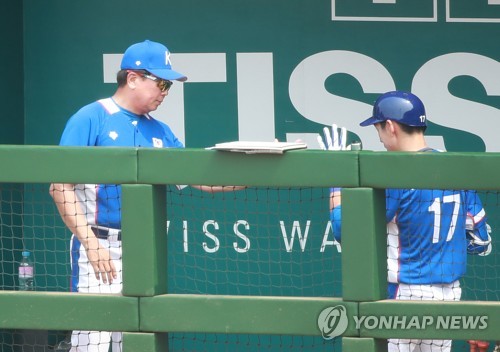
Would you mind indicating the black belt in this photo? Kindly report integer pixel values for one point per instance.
(104, 233)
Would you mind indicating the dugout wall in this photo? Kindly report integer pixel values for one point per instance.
(149, 307)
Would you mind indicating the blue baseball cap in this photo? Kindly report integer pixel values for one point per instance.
(403, 107)
(152, 57)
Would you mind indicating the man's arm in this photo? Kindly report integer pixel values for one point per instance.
(67, 204)
(335, 197)
(217, 189)
(478, 232)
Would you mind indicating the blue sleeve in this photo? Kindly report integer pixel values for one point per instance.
(335, 219)
(172, 140)
(475, 208)
(176, 142)
(82, 129)
(392, 203)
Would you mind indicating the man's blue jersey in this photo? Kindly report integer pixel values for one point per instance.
(426, 242)
(104, 123)
(426, 230)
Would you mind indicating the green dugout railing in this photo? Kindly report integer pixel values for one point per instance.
(146, 312)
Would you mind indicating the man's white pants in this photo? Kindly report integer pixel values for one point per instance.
(95, 341)
(446, 292)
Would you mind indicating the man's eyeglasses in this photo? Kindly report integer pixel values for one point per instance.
(163, 84)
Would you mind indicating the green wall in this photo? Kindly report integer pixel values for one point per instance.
(264, 69)
(11, 61)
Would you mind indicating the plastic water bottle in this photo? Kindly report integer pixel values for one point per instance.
(26, 273)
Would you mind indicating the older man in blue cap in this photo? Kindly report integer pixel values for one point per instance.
(92, 212)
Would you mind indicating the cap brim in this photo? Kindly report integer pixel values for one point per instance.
(168, 74)
(370, 121)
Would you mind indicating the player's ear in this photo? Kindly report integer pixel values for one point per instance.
(132, 77)
(392, 126)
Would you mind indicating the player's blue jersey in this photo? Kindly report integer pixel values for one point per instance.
(426, 233)
(426, 229)
(104, 123)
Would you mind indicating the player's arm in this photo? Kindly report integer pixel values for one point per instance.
(217, 189)
(478, 232)
(478, 237)
(334, 141)
(335, 219)
(335, 197)
(68, 206)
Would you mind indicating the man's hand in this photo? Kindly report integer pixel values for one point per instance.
(101, 262)
(333, 140)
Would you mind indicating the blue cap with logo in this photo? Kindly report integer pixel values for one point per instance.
(399, 106)
(152, 57)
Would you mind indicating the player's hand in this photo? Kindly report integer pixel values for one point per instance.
(102, 264)
(476, 244)
(333, 140)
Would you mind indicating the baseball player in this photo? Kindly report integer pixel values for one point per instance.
(92, 212)
(429, 231)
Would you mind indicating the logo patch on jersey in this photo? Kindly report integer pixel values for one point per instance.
(113, 135)
(157, 143)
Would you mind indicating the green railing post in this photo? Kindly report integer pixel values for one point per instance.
(364, 255)
(144, 255)
(145, 342)
(144, 240)
(358, 344)
(364, 245)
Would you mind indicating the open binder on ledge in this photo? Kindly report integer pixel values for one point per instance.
(258, 147)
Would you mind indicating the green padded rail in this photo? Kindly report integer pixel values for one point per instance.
(238, 314)
(457, 320)
(425, 170)
(47, 164)
(294, 168)
(67, 311)
(210, 167)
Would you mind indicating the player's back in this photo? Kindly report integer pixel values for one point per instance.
(426, 235)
